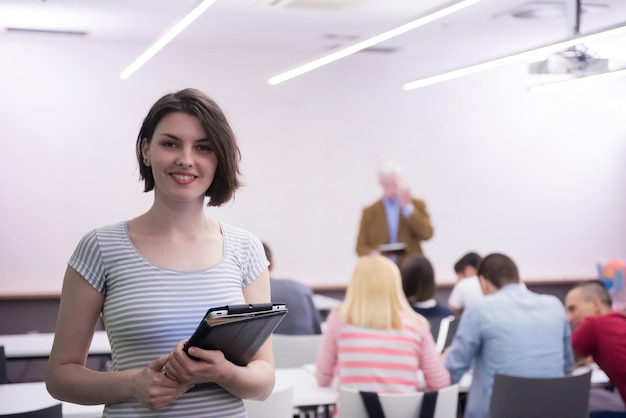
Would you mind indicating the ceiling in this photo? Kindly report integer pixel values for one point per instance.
(313, 27)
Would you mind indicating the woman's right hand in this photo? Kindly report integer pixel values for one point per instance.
(153, 389)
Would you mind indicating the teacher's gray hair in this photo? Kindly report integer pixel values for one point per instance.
(390, 168)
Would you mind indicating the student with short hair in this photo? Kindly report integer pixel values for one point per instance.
(303, 318)
(153, 277)
(467, 288)
(599, 332)
(418, 283)
(510, 331)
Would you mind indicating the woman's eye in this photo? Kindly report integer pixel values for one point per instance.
(168, 144)
(204, 148)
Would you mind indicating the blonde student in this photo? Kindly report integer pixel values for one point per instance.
(375, 341)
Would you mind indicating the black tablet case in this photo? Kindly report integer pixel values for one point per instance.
(239, 337)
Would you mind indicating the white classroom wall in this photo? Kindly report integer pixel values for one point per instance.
(539, 177)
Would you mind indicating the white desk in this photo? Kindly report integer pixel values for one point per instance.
(598, 377)
(325, 303)
(14, 397)
(22, 346)
(306, 392)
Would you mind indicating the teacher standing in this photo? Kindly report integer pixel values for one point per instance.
(395, 218)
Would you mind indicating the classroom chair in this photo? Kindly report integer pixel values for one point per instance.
(295, 350)
(54, 411)
(439, 404)
(557, 397)
(278, 405)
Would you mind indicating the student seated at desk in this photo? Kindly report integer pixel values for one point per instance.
(374, 341)
(418, 282)
(510, 331)
(303, 317)
(467, 288)
(599, 332)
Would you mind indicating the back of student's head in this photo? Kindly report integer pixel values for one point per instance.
(374, 297)
(268, 254)
(499, 270)
(418, 278)
(470, 259)
(595, 289)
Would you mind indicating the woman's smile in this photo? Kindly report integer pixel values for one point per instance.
(183, 178)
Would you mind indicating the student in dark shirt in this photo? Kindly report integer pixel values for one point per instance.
(418, 282)
(303, 317)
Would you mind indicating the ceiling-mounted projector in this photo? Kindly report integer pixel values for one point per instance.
(576, 60)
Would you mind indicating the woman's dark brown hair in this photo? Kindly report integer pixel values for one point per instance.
(418, 278)
(221, 137)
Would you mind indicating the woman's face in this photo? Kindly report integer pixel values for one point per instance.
(182, 161)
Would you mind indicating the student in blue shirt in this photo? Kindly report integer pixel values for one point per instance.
(511, 331)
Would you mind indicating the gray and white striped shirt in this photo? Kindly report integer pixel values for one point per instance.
(148, 309)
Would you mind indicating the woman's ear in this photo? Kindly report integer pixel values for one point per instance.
(145, 151)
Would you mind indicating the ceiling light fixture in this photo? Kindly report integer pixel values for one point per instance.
(342, 53)
(166, 38)
(580, 79)
(540, 51)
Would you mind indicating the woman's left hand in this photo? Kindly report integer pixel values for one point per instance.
(211, 365)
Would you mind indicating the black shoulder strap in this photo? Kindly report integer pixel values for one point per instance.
(375, 410)
(372, 404)
(428, 405)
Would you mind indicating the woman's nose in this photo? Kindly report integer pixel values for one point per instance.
(184, 159)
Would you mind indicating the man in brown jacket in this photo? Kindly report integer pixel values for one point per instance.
(395, 218)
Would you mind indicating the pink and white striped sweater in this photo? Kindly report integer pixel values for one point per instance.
(380, 360)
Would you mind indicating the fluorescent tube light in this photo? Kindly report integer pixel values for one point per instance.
(580, 79)
(166, 38)
(342, 53)
(540, 51)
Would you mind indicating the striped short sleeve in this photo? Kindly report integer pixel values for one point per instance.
(249, 251)
(87, 261)
(148, 309)
(256, 261)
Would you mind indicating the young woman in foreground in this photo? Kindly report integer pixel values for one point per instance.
(152, 279)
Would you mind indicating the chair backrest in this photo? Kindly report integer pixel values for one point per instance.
(399, 405)
(445, 332)
(295, 350)
(278, 405)
(523, 397)
(54, 411)
(4, 377)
